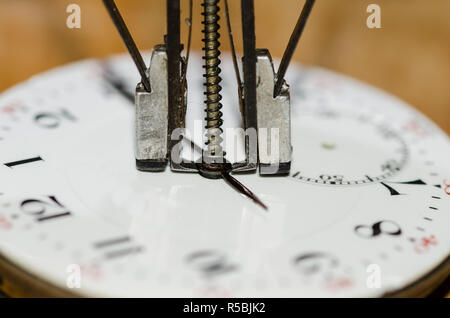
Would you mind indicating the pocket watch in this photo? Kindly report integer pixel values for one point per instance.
(93, 202)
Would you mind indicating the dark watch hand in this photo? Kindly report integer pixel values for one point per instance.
(232, 181)
(117, 83)
(242, 189)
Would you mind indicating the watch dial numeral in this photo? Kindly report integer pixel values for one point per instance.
(416, 128)
(328, 269)
(44, 210)
(53, 120)
(123, 252)
(12, 107)
(23, 161)
(386, 132)
(210, 263)
(393, 191)
(446, 187)
(425, 243)
(118, 247)
(333, 178)
(4, 223)
(391, 166)
(312, 263)
(113, 241)
(378, 228)
(93, 271)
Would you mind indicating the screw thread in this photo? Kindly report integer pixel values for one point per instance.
(212, 78)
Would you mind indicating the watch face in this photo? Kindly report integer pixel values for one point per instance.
(364, 211)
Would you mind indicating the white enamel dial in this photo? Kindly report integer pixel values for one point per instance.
(369, 184)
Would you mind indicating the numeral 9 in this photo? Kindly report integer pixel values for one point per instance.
(210, 263)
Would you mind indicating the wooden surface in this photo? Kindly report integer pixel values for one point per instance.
(409, 56)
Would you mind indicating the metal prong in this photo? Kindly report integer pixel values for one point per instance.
(235, 63)
(188, 51)
(290, 49)
(274, 117)
(176, 113)
(249, 63)
(128, 40)
(152, 116)
(243, 189)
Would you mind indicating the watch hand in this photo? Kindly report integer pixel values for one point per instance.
(117, 83)
(242, 189)
(232, 181)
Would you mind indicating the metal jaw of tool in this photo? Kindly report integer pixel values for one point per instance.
(160, 112)
(152, 115)
(272, 118)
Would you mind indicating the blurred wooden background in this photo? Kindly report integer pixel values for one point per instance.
(409, 56)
